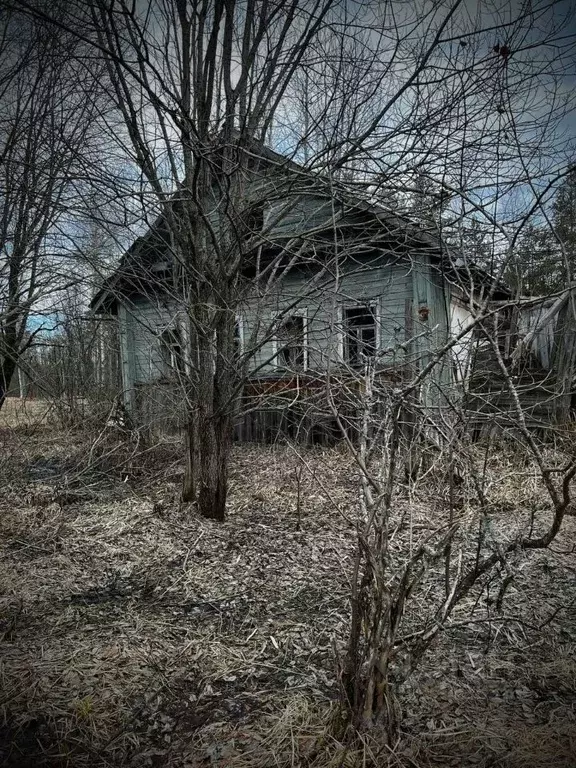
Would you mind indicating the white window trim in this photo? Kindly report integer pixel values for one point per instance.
(375, 304)
(283, 316)
(174, 325)
(184, 328)
(340, 331)
(240, 326)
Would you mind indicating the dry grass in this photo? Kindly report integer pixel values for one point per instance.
(135, 633)
(23, 413)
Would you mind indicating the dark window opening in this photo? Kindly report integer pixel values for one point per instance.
(359, 334)
(171, 350)
(291, 343)
(255, 220)
(163, 276)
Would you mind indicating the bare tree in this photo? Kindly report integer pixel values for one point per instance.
(195, 83)
(44, 130)
(388, 106)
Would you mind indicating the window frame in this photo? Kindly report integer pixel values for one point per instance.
(276, 347)
(239, 346)
(372, 304)
(176, 365)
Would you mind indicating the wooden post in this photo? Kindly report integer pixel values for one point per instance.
(128, 359)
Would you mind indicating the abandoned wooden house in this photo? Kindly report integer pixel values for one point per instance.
(354, 285)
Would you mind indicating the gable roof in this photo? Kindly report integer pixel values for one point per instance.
(136, 266)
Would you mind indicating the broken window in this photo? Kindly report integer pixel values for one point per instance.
(171, 351)
(359, 334)
(255, 220)
(291, 338)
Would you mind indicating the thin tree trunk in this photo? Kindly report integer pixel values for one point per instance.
(21, 384)
(7, 370)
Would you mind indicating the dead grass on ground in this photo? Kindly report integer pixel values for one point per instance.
(17, 412)
(135, 633)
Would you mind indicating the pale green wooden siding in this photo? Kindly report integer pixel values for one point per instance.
(145, 322)
(126, 356)
(382, 282)
(431, 331)
(300, 215)
(398, 289)
(284, 215)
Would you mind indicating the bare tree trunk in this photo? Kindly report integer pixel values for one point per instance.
(7, 370)
(215, 408)
(22, 389)
(213, 470)
(10, 343)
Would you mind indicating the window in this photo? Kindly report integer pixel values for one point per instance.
(291, 341)
(359, 333)
(161, 272)
(255, 220)
(171, 351)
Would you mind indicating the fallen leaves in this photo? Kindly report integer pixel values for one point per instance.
(149, 636)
